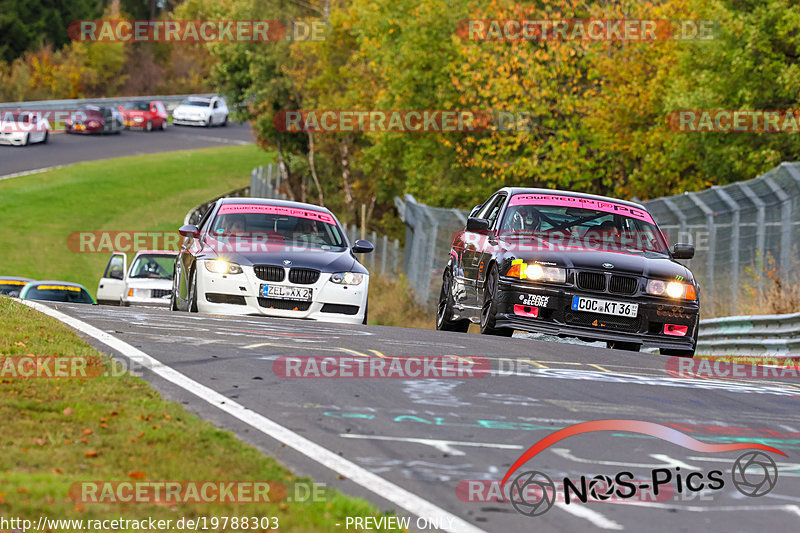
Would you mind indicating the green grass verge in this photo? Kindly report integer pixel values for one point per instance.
(58, 432)
(140, 193)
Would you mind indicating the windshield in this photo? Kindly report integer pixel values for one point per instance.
(290, 226)
(583, 222)
(153, 266)
(197, 103)
(59, 293)
(11, 287)
(137, 106)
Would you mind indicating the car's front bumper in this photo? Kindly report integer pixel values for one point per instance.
(239, 294)
(556, 316)
(184, 121)
(12, 138)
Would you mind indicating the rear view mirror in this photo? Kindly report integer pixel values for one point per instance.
(683, 251)
(189, 230)
(477, 224)
(362, 247)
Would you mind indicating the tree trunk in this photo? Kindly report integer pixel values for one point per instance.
(344, 149)
(313, 167)
(284, 170)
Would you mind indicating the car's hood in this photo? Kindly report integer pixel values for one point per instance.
(191, 110)
(325, 261)
(649, 265)
(147, 283)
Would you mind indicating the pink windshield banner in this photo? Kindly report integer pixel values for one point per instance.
(586, 203)
(276, 210)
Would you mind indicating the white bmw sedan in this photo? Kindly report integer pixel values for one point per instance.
(252, 256)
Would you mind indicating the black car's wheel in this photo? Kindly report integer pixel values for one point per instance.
(626, 346)
(489, 311)
(444, 313)
(193, 291)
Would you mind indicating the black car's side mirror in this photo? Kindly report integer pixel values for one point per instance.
(362, 247)
(189, 230)
(477, 224)
(683, 251)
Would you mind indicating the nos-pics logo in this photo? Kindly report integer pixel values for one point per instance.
(533, 493)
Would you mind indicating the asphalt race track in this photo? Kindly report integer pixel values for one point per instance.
(64, 149)
(427, 435)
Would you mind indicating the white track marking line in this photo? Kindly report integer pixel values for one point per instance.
(29, 172)
(594, 517)
(381, 487)
(444, 446)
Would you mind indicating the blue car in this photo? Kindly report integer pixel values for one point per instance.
(57, 291)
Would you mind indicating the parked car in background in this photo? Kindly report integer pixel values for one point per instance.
(144, 114)
(147, 282)
(56, 291)
(201, 111)
(94, 119)
(12, 285)
(19, 128)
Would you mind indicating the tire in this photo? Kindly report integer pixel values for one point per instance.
(626, 346)
(46, 137)
(164, 125)
(366, 312)
(27, 139)
(149, 126)
(193, 291)
(489, 310)
(208, 122)
(444, 312)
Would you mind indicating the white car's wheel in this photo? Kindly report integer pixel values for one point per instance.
(27, 139)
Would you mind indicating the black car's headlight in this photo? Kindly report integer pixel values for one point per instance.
(673, 289)
(536, 272)
(220, 266)
(347, 278)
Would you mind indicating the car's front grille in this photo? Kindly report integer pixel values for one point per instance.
(217, 298)
(269, 272)
(340, 308)
(599, 321)
(160, 293)
(284, 305)
(303, 276)
(623, 284)
(592, 281)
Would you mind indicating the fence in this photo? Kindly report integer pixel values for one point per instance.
(739, 230)
(385, 258)
(170, 102)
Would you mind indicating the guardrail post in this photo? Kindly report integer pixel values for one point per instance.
(761, 231)
(786, 226)
(734, 246)
(384, 253)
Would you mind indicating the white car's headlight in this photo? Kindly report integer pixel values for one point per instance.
(220, 266)
(673, 289)
(347, 278)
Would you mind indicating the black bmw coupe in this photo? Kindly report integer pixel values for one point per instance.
(572, 265)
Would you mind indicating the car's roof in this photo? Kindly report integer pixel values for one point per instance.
(532, 190)
(56, 282)
(270, 201)
(14, 278)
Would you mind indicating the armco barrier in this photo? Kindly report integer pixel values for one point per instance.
(750, 335)
(170, 102)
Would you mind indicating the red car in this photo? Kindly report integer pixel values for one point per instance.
(94, 119)
(145, 115)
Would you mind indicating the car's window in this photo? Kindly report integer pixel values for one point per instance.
(153, 266)
(137, 106)
(586, 221)
(59, 293)
(277, 224)
(115, 268)
(197, 103)
(491, 209)
(485, 208)
(8, 286)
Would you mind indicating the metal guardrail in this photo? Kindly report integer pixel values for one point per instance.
(170, 102)
(756, 335)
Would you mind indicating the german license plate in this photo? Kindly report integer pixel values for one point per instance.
(284, 292)
(606, 307)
